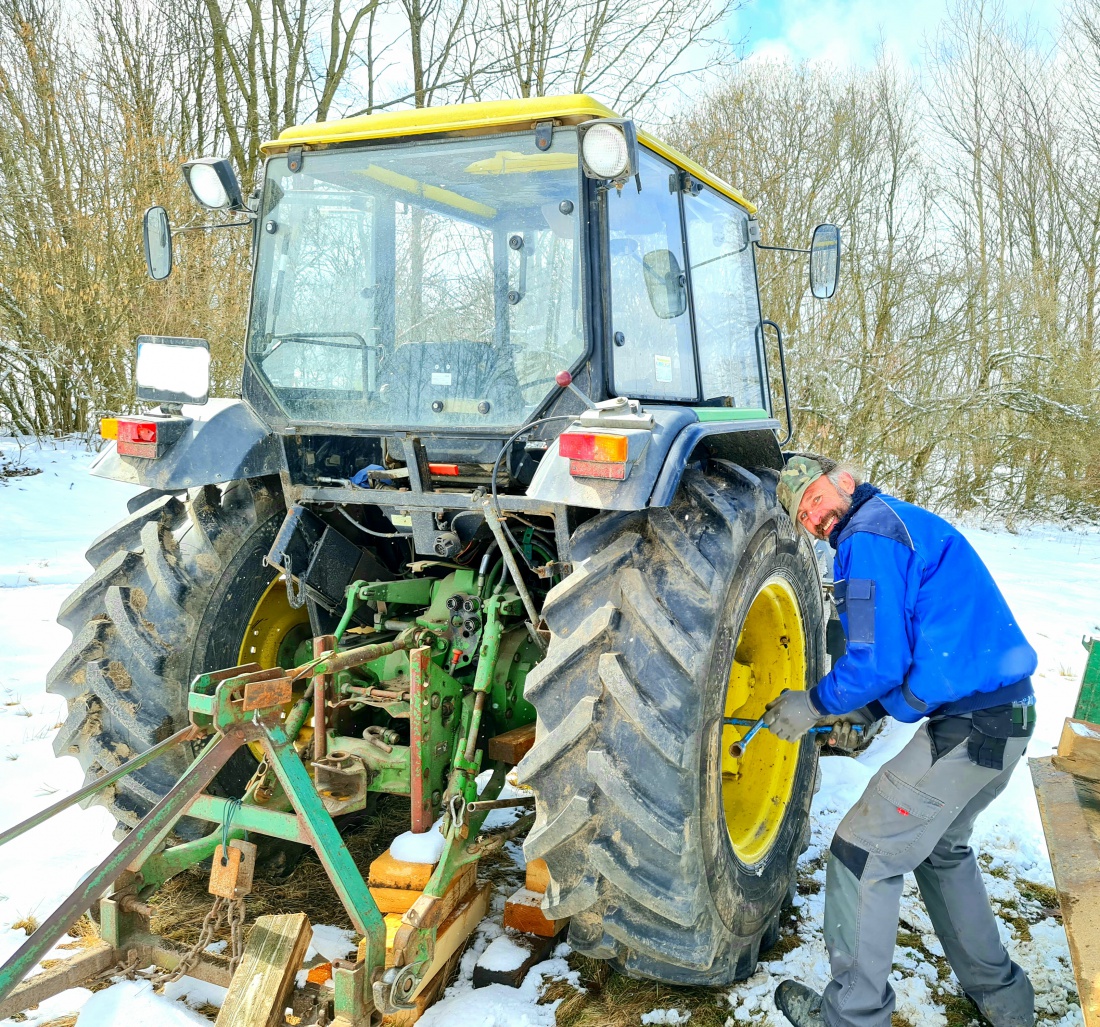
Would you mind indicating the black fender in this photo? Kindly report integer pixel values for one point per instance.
(225, 441)
(653, 481)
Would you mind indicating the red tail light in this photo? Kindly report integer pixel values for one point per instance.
(134, 437)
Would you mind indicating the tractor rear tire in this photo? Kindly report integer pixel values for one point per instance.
(171, 594)
(634, 816)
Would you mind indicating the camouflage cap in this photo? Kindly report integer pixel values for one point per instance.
(799, 474)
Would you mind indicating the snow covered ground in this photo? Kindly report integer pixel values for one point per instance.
(1050, 576)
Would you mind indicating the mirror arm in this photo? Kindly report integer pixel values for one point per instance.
(209, 228)
(784, 249)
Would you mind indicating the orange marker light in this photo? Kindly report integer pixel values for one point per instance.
(108, 427)
(444, 470)
(594, 447)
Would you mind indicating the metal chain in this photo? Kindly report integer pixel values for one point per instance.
(228, 911)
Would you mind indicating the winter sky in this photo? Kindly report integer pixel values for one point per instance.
(849, 32)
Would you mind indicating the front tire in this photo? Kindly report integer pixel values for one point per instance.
(672, 860)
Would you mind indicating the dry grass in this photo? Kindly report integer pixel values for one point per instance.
(28, 925)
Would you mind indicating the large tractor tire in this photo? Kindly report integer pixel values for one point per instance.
(179, 587)
(672, 857)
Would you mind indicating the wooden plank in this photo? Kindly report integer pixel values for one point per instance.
(523, 912)
(449, 943)
(387, 872)
(513, 745)
(260, 989)
(538, 876)
(1079, 750)
(1071, 823)
(70, 972)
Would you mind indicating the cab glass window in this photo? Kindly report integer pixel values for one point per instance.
(725, 299)
(652, 356)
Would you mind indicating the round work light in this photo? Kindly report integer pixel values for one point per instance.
(605, 151)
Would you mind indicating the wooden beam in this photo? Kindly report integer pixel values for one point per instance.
(1072, 830)
(1079, 750)
(523, 912)
(70, 972)
(513, 745)
(260, 989)
(451, 939)
(387, 872)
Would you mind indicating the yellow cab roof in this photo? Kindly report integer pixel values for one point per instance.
(483, 117)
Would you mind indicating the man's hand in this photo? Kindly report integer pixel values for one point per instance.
(844, 734)
(790, 715)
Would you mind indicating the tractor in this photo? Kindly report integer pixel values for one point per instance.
(504, 461)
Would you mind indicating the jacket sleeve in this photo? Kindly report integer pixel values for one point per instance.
(876, 576)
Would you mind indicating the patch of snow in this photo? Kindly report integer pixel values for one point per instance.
(666, 1016)
(331, 942)
(135, 1002)
(419, 848)
(502, 955)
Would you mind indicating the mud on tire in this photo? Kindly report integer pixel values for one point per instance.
(626, 768)
(171, 592)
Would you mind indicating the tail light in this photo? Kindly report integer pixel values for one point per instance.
(142, 436)
(601, 454)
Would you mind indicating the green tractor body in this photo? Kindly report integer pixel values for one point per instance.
(504, 414)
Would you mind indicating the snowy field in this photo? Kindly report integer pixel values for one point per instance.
(1050, 576)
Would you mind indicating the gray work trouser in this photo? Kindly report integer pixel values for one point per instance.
(917, 814)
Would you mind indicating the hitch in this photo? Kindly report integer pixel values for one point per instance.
(242, 706)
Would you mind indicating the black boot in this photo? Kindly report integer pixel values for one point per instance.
(799, 1004)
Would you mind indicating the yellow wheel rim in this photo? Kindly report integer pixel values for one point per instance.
(770, 656)
(273, 633)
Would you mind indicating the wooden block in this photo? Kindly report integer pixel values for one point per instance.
(401, 900)
(538, 876)
(537, 950)
(1079, 750)
(1072, 830)
(513, 745)
(387, 872)
(260, 989)
(523, 913)
(234, 879)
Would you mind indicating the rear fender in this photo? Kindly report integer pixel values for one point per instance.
(653, 481)
(225, 441)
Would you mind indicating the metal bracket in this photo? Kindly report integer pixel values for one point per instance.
(294, 159)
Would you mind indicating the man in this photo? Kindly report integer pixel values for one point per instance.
(929, 636)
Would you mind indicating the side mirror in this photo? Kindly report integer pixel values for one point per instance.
(824, 261)
(157, 234)
(665, 283)
(172, 370)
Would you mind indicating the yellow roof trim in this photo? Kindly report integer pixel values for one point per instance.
(484, 116)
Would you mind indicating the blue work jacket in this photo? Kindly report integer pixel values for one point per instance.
(928, 630)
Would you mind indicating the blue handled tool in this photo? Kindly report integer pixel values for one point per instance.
(737, 749)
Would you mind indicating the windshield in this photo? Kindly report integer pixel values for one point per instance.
(428, 284)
